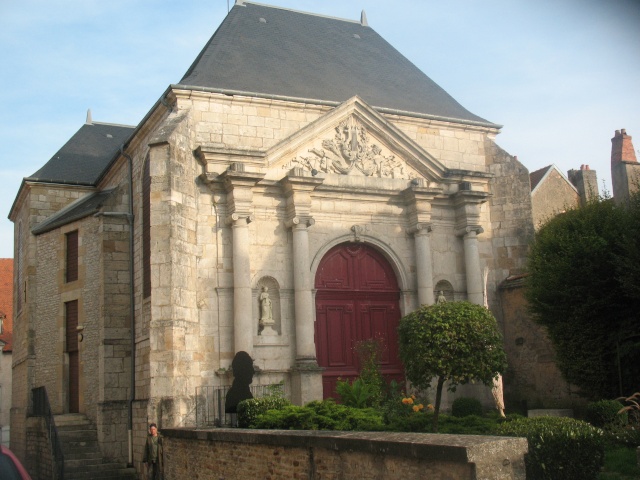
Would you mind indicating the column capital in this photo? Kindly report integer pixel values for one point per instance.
(237, 219)
(421, 228)
(299, 222)
(469, 229)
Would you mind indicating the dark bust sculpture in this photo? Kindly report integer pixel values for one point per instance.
(242, 367)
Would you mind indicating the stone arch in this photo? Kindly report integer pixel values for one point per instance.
(394, 260)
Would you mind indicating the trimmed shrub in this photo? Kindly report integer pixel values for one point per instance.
(468, 425)
(559, 448)
(248, 410)
(604, 413)
(325, 415)
(465, 406)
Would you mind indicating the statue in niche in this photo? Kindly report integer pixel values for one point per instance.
(266, 322)
(441, 298)
(266, 307)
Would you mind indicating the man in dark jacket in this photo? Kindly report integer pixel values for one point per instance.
(153, 453)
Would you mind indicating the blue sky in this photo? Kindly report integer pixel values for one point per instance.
(561, 75)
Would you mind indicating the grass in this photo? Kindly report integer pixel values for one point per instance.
(620, 464)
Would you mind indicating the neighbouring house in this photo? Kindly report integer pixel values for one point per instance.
(6, 346)
(533, 380)
(300, 189)
(552, 192)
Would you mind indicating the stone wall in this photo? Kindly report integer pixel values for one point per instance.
(532, 379)
(238, 454)
(38, 459)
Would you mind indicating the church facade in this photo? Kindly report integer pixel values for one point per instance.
(265, 205)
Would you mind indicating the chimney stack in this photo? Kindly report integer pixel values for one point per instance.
(586, 182)
(622, 148)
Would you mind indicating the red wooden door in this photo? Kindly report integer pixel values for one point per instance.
(357, 299)
(73, 353)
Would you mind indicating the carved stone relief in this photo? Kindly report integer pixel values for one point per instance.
(351, 152)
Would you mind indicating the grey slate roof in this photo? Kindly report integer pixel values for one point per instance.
(538, 175)
(79, 209)
(275, 51)
(83, 159)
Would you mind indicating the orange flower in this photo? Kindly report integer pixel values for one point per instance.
(416, 408)
(407, 401)
(430, 407)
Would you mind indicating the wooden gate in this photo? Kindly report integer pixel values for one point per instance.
(357, 299)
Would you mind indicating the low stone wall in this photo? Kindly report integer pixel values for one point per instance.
(39, 460)
(274, 454)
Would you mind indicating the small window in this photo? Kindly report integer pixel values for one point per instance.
(72, 256)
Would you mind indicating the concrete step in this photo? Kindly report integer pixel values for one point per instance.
(101, 472)
(70, 419)
(83, 459)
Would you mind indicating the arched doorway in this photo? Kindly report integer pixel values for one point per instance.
(357, 299)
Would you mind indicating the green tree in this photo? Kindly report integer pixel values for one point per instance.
(456, 342)
(584, 287)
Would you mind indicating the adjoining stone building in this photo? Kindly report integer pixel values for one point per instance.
(552, 192)
(300, 153)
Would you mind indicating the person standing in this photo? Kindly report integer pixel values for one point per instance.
(153, 454)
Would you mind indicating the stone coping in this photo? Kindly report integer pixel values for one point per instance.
(440, 447)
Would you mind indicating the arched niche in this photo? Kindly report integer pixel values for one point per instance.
(446, 288)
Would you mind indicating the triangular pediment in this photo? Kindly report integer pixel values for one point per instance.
(353, 139)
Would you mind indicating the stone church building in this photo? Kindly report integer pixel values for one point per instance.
(300, 189)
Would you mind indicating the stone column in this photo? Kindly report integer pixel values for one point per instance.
(424, 267)
(419, 198)
(305, 346)
(242, 300)
(475, 288)
(238, 185)
(467, 203)
(306, 376)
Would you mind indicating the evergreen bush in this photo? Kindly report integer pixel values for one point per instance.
(325, 415)
(249, 410)
(465, 406)
(559, 448)
(604, 413)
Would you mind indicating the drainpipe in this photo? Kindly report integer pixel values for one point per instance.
(132, 313)
(132, 393)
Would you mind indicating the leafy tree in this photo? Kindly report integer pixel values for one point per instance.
(456, 342)
(584, 287)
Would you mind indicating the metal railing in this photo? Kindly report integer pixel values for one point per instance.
(210, 402)
(40, 407)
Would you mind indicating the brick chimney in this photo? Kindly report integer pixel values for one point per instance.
(625, 169)
(622, 148)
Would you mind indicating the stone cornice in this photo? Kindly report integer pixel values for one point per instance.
(217, 158)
